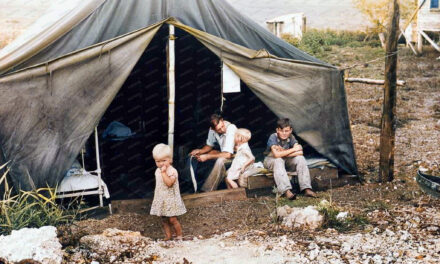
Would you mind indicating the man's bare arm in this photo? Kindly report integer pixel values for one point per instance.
(201, 151)
(214, 155)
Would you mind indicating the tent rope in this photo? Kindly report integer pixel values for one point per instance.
(366, 62)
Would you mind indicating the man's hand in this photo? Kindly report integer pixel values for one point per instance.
(195, 152)
(202, 158)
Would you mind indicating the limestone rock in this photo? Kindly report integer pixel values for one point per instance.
(114, 244)
(38, 244)
(307, 217)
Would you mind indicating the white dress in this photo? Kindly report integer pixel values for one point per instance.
(167, 200)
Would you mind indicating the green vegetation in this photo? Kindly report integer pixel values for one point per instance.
(329, 211)
(33, 209)
(299, 202)
(316, 42)
(377, 205)
(347, 223)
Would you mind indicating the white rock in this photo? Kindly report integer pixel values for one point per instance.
(228, 234)
(377, 259)
(40, 244)
(282, 211)
(313, 254)
(405, 236)
(345, 248)
(307, 217)
(389, 233)
(342, 215)
(313, 245)
(432, 228)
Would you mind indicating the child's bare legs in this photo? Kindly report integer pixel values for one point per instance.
(177, 227)
(228, 184)
(231, 184)
(166, 224)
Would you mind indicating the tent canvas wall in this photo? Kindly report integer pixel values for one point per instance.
(57, 84)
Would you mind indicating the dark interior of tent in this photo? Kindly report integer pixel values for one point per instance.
(142, 105)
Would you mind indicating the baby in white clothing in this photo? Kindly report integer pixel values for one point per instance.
(243, 158)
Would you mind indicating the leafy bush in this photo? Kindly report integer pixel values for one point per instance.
(33, 209)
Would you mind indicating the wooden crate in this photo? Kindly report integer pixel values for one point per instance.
(321, 179)
(200, 199)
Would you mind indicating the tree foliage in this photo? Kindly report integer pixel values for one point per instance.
(378, 11)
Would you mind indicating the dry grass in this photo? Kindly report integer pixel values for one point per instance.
(418, 111)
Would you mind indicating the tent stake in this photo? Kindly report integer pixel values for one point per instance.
(171, 87)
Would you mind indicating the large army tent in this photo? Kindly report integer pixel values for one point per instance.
(105, 61)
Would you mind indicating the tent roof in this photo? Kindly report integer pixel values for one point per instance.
(95, 21)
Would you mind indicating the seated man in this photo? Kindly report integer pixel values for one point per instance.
(283, 151)
(222, 133)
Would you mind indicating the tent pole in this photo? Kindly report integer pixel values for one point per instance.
(98, 169)
(171, 87)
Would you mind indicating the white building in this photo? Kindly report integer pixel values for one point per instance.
(428, 20)
(293, 24)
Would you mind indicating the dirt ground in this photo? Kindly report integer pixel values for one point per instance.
(417, 144)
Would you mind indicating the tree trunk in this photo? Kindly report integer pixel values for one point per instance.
(388, 124)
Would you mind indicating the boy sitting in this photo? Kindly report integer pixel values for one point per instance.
(284, 151)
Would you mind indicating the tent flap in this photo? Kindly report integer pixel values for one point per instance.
(48, 111)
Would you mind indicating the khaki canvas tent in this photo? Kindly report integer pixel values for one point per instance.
(106, 60)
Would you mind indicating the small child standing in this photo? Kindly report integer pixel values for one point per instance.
(167, 202)
(242, 160)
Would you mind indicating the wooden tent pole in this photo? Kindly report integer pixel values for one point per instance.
(98, 169)
(171, 87)
(388, 124)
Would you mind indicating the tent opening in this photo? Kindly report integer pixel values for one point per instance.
(142, 106)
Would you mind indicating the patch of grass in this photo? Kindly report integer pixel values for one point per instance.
(377, 205)
(350, 222)
(33, 209)
(299, 202)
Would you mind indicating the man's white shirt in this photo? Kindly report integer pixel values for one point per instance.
(226, 141)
